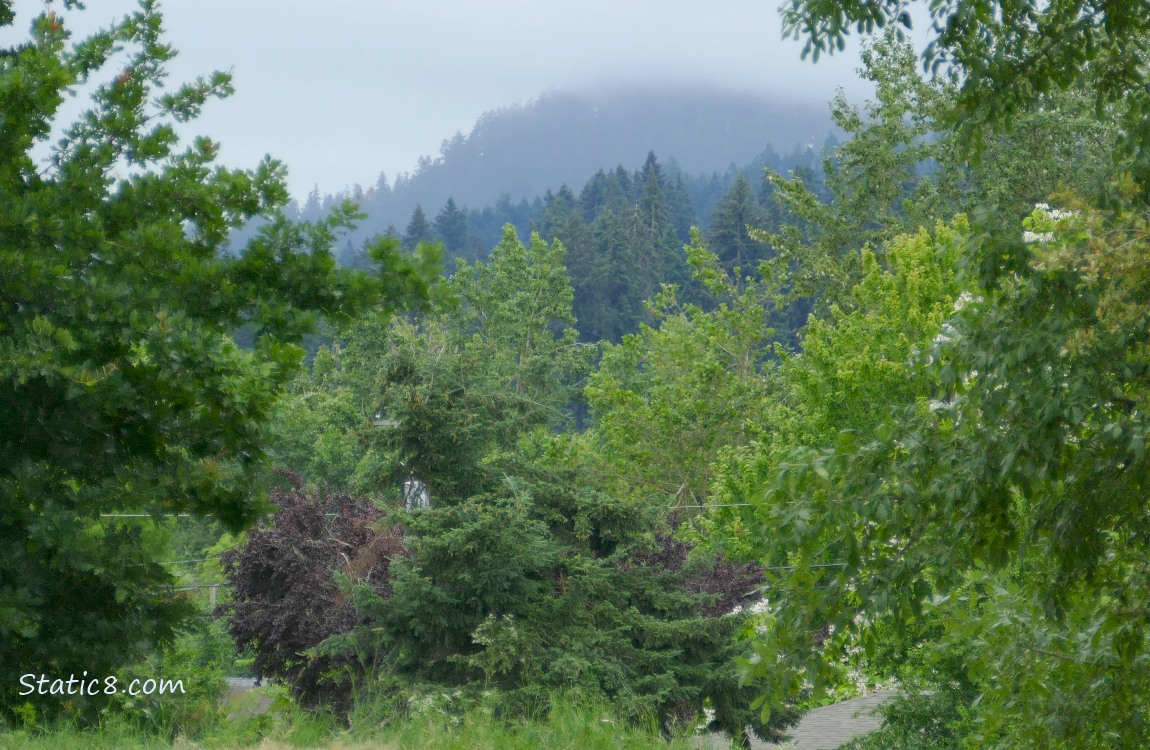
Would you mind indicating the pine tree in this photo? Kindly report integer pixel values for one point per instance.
(619, 288)
(657, 247)
(312, 210)
(680, 209)
(418, 229)
(593, 197)
(451, 229)
(728, 237)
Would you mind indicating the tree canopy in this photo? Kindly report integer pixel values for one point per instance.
(1007, 56)
(123, 390)
(984, 521)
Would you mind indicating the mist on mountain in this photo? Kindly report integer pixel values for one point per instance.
(518, 152)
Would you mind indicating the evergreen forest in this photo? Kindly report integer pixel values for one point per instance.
(649, 461)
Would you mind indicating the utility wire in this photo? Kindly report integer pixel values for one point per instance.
(183, 587)
(144, 515)
(716, 505)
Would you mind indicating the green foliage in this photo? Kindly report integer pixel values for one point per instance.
(522, 576)
(317, 428)
(737, 212)
(854, 367)
(451, 229)
(1061, 144)
(1008, 510)
(623, 234)
(854, 363)
(516, 316)
(123, 390)
(952, 482)
(543, 585)
(921, 721)
(200, 658)
(903, 169)
(875, 180)
(418, 230)
(666, 400)
(447, 387)
(1009, 56)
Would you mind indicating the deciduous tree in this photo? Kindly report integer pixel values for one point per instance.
(122, 388)
(1008, 56)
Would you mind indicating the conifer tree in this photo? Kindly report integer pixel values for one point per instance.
(735, 214)
(679, 208)
(418, 229)
(451, 229)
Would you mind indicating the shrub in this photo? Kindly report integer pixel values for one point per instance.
(286, 590)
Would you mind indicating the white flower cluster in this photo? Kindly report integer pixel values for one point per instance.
(1054, 214)
(947, 335)
(965, 299)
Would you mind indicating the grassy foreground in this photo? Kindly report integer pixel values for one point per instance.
(566, 726)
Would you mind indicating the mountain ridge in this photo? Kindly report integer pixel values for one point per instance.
(562, 137)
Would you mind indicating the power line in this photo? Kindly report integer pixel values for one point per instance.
(175, 515)
(716, 505)
(184, 587)
(145, 515)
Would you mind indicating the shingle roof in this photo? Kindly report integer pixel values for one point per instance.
(826, 728)
(830, 726)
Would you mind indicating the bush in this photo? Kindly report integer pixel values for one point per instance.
(286, 590)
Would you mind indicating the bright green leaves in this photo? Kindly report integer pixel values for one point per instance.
(856, 369)
(516, 311)
(666, 400)
(1008, 471)
(854, 364)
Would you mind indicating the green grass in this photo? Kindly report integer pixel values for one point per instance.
(565, 726)
(569, 724)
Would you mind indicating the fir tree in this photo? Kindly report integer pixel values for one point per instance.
(451, 229)
(418, 229)
(728, 237)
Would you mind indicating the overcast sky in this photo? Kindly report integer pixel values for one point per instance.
(341, 90)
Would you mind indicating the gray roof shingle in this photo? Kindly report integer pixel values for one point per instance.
(824, 728)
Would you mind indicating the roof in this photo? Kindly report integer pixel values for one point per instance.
(827, 727)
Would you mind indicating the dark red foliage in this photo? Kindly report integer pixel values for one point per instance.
(286, 598)
(727, 584)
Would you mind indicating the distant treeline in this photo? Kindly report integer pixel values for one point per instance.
(624, 230)
(563, 137)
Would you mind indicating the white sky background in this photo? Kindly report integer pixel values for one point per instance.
(341, 90)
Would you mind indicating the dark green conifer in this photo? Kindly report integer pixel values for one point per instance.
(451, 229)
(418, 229)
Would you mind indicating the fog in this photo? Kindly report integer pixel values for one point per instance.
(343, 90)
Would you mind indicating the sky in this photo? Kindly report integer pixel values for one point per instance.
(341, 90)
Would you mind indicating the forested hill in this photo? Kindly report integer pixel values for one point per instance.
(565, 137)
(624, 232)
